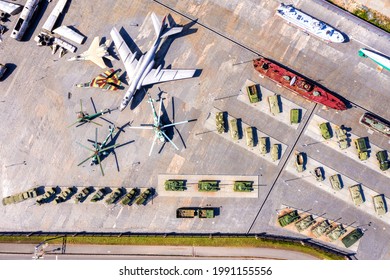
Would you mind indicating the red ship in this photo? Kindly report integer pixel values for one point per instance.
(297, 84)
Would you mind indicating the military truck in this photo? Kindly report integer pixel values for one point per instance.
(252, 93)
(249, 136)
(16, 198)
(115, 195)
(208, 186)
(288, 218)
(360, 144)
(273, 102)
(381, 156)
(186, 212)
(206, 213)
(220, 122)
(336, 232)
(379, 204)
(356, 194)
(81, 196)
(305, 223)
(129, 197)
(175, 185)
(233, 129)
(352, 237)
(325, 130)
(299, 161)
(335, 182)
(243, 186)
(263, 145)
(320, 228)
(318, 174)
(64, 195)
(341, 135)
(47, 196)
(144, 196)
(294, 116)
(99, 195)
(275, 152)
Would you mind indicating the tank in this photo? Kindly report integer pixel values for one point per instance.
(47, 196)
(275, 152)
(263, 145)
(208, 186)
(341, 135)
(376, 123)
(352, 237)
(144, 196)
(99, 195)
(336, 232)
(274, 104)
(129, 197)
(175, 185)
(220, 122)
(304, 223)
(381, 156)
(115, 196)
(361, 147)
(294, 116)
(335, 182)
(233, 128)
(252, 94)
(288, 218)
(80, 197)
(299, 161)
(325, 130)
(356, 194)
(320, 228)
(319, 174)
(249, 136)
(379, 204)
(243, 186)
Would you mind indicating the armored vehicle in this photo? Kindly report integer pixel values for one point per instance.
(379, 204)
(274, 104)
(129, 197)
(275, 152)
(341, 135)
(320, 228)
(263, 145)
(352, 237)
(64, 195)
(81, 196)
(249, 136)
(361, 147)
(186, 212)
(336, 232)
(325, 130)
(335, 182)
(16, 198)
(115, 195)
(319, 174)
(243, 186)
(233, 129)
(175, 185)
(304, 223)
(208, 186)
(206, 213)
(144, 196)
(220, 122)
(294, 116)
(47, 196)
(252, 93)
(99, 195)
(356, 194)
(299, 162)
(382, 158)
(288, 218)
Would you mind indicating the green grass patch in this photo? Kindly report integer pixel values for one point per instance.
(374, 18)
(181, 241)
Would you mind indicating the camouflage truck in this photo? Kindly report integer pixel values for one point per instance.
(325, 130)
(273, 102)
(318, 174)
(129, 197)
(233, 128)
(288, 218)
(303, 224)
(341, 135)
(381, 156)
(206, 213)
(252, 93)
(335, 182)
(220, 122)
(81, 196)
(320, 228)
(263, 145)
(47, 196)
(208, 186)
(249, 137)
(352, 237)
(336, 232)
(186, 212)
(356, 194)
(299, 162)
(144, 196)
(175, 185)
(64, 195)
(361, 146)
(115, 196)
(275, 151)
(243, 186)
(99, 195)
(294, 116)
(379, 205)
(16, 198)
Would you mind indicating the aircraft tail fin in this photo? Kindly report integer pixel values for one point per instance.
(156, 24)
(172, 31)
(159, 26)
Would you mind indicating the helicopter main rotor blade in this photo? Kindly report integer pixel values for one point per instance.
(94, 122)
(100, 164)
(110, 147)
(78, 121)
(154, 142)
(159, 110)
(173, 144)
(86, 160)
(172, 124)
(141, 127)
(89, 149)
(96, 137)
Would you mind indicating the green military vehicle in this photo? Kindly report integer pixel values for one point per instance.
(206, 213)
(249, 137)
(175, 185)
(129, 196)
(47, 196)
(294, 116)
(144, 196)
(115, 195)
(356, 194)
(382, 159)
(252, 93)
(320, 228)
(16, 198)
(99, 195)
(299, 162)
(233, 129)
(220, 122)
(208, 186)
(336, 232)
(81, 196)
(362, 148)
(64, 195)
(305, 223)
(379, 204)
(273, 102)
(341, 135)
(325, 130)
(186, 212)
(275, 152)
(318, 173)
(243, 186)
(335, 182)
(288, 218)
(352, 237)
(263, 145)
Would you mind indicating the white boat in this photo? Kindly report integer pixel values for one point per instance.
(310, 24)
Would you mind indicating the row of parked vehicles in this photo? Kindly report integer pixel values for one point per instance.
(207, 185)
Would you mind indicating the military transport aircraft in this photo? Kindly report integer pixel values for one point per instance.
(140, 70)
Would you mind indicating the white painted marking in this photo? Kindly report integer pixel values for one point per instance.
(370, 131)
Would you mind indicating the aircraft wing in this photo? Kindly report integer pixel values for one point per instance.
(166, 75)
(127, 57)
(98, 61)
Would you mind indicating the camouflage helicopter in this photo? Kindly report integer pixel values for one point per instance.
(83, 117)
(157, 126)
